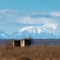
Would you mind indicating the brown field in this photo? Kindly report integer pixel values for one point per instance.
(30, 53)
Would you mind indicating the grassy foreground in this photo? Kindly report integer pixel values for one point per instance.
(30, 53)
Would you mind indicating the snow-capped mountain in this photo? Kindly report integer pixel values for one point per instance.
(35, 32)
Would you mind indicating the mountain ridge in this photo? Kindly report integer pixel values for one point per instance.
(36, 32)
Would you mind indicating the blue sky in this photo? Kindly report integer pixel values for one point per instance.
(17, 14)
(31, 5)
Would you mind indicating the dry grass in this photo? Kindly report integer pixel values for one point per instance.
(30, 53)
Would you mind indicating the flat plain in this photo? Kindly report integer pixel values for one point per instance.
(30, 53)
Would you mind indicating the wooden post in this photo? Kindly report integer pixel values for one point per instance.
(22, 42)
(13, 43)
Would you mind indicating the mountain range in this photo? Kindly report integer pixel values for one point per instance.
(35, 32)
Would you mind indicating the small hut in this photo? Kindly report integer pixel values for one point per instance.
(22, 43)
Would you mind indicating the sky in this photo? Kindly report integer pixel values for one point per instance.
(17, 14)
(31, 5)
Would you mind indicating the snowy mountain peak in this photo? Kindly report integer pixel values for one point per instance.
(31, 29)
(37, 31)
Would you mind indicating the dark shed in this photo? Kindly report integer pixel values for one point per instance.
(22, 42)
